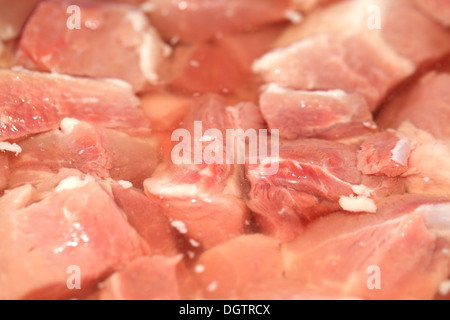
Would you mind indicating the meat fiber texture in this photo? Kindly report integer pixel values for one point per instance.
(116, 33)
(103, 194)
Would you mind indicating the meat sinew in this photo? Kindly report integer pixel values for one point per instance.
(224, 149)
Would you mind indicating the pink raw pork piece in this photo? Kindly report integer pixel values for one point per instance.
(196, 20)
(36, 102)
(71, 231)
(422, 113)
(203, 201)
(90, 149)
(330, 115)
(399, 253)
(341, 48)
(118, 34)
(314, 178)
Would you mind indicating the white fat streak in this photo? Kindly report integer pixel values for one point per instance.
(357, 204)
(199, 268)
(73, 182)
(293, 16)
(12, 147)
(444, 288)
(68, 124)
(400, 153)
(180, 226)
(362, 190)
(194, 243)
(278, 89)
(212, 286)
(125, 184)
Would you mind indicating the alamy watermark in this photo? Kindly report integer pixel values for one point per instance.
(211, 147)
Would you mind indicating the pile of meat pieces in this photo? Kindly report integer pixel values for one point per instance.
(359, 112)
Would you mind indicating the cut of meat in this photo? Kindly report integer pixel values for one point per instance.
(36, 102)
(116, 33)
(186, 20)
(438, 9)
(314, 178)
(65, 239)
(385, 153)
(422, 113)
(330, 115)
(336, 58)
(336, 48)
(202, 199)
(147, 218)
(146, 278)
(229, 270)
(402, 252)
(90, 149)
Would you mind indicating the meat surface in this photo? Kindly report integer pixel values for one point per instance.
(13, 18)
(330, 115)
(117, 33)
(404, 245)
(146, 278)
(422, 114)
(37, 102)
(202, 200)
(186, 20)
(438, 9)
(90, 149)
(337, 48)
(385, 153)
(59, 237)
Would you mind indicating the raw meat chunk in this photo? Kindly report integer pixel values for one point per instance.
(406, 243)
(422, 113)
(4, 171)
(146, 278)
(34, 102)
(196, 20)
(116, 33)
(385, 153)
(68, 233)
(203, 200)
(90, 149)
(329, 115)
(314, 178)
(229, 270)
(339, 48)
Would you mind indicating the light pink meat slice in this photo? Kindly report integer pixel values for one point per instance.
(385, 153)
(229, 270)
(407, 242)
(117, 33)
(202, 200)
(90, 149)
(186, 20)
(330, 115)
(146, 278)
(438, 9)
(13, 16)
(312, 175)
(147, 218)
(335, 49)
(34, 102)
(70, 232)
(422, 114)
